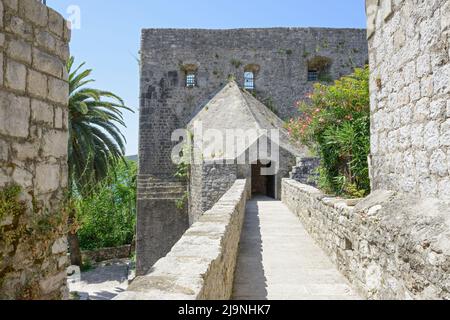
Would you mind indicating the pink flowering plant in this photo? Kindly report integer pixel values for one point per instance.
(335, 124)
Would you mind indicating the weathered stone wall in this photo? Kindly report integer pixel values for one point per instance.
(410, 95)
(33, 149)
(160, 220)
(306, 171)
(201, 265)
(390, 246)
(217, 180)
(105, 254)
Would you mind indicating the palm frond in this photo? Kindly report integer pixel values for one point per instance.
(96, 142)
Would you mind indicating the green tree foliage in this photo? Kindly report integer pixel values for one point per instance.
(95, 140)
(335, 123)
(107, 216)
(96, 145)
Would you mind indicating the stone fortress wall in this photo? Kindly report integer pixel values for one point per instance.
(410, 95)
(201, 265)
(279, 59)
(33, 149)
(389, 245)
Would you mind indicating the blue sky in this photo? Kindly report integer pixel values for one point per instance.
(109, 34)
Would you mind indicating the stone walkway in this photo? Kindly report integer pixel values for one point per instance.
(279, 260)
(104, 282)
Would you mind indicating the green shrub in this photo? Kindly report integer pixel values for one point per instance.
(335, 123)
(107, 215)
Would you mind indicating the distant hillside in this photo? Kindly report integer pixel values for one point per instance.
(132, 158)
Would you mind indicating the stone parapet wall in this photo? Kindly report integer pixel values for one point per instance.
(201, 265)
(105, 254)
(33, 149)
(306, 171)
(410, 95)
(390, 246)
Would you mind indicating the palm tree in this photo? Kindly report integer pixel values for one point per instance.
(95, 141)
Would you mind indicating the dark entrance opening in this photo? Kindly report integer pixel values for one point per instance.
(262, 185)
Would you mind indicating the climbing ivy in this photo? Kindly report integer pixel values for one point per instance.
(38, 233)
(181, 203)
(10, 208)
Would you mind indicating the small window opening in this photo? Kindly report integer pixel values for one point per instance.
(313, 75)
(191, 80)
(319, 69)
(249, 80)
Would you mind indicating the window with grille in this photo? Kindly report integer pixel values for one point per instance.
(313, 75)
(191, 80)
(249, 80)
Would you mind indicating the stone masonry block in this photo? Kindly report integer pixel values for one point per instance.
(4, 150)
(417, 135)
(426, 86)
(55, 23)
(55, 143)
(23, 177)
(47, 63)
(37, 84)
(64, 176)
(444, 188)
(16, 75)
(441, 80)
(431, 135)
(423, 65)
(41, 112)
(422, 163)
(34, 11)
(445, 134)
(67, 34)
(58, 118)
(45, 40)
(47, 177)
(58, 91)
(19, 50)
(18, 26)
(437, 109)
(53, 283)
(422, 109)
(26, 151)
(62, 50)
(438, 163)
(59, 246)
(428, 186)
(14, 115)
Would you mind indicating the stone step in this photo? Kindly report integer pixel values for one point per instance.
(161, 188)
(156, 196)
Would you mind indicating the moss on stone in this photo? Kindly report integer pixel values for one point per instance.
(236, 63)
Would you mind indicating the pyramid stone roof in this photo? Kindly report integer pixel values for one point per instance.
(233, 108)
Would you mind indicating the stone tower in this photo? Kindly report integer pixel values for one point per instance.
(181, 70)
(410, 94)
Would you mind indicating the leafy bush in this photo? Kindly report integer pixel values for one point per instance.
(335, 123)
(107, 215)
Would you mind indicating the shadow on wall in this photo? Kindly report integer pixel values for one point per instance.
(250, 282)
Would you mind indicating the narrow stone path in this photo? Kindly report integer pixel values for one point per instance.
(103, 282)
(278, 260)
